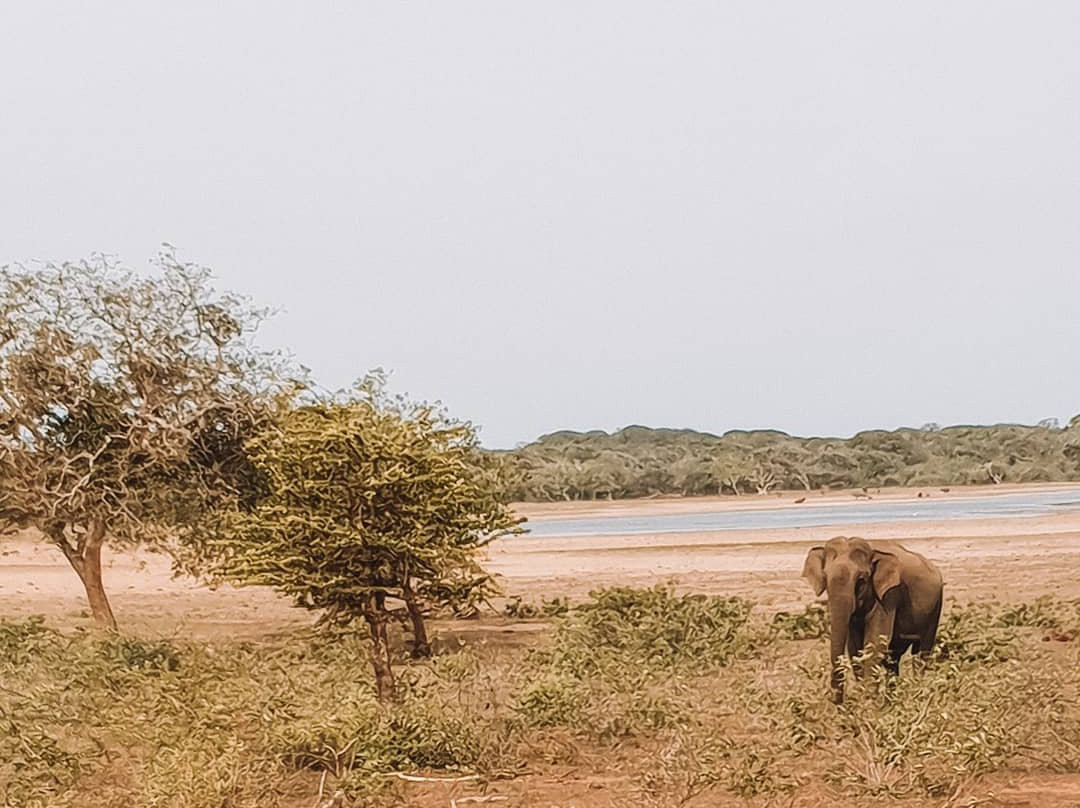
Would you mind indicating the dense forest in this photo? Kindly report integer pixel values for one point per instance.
(639, 462)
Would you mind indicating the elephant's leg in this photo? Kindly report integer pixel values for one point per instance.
(856, 638)
(929, 635)
(879, 632)
(897, 648)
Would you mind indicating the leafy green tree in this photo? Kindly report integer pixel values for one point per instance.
(367, 500)
(120, 396)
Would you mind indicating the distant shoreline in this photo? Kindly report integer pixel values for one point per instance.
(652, 506)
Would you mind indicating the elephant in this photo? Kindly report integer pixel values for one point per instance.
(877, 591)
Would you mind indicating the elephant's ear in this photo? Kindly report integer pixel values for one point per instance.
(886, 573)
(814, 569)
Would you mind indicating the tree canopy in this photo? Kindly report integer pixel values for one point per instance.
(366, 499)
(638, 461)
(120, 397)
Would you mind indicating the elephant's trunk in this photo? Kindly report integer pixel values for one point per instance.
(841, 607)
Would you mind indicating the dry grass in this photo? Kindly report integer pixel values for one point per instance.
(665, 700)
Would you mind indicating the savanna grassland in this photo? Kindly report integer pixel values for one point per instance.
(632, 697)
(643, 695)
(224, 586)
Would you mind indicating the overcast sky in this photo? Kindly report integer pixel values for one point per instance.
(817, 217)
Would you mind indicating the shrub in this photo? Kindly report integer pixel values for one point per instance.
(985, 632)
(618, 664)
(650, 630)
(809, 624)
(140, 655)
(556, 607)
(930, 732)
(174, 725)
(553, 701)
(24, 642)
(970, 635)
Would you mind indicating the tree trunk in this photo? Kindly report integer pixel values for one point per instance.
(85, 559)
(375, 615)
(421, 645)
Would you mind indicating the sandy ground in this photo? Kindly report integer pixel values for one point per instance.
(1007, 558)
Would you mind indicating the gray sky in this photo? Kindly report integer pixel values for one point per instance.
(812, 216)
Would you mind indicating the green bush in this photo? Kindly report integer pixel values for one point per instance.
(930, 732)
(140, 655)
(1046, 612)
(809, 624)
(651, 630)
(985, 631)
(970, 634)
(518, 608)
(27, 641)
(553, 701)
(618, 664)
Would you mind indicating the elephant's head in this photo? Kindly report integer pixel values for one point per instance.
(856, 576)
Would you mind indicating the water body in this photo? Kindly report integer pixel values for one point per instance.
(1036, 503)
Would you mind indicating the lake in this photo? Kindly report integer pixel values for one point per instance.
(1035, 503)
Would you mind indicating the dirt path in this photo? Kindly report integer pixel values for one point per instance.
(1007, 558)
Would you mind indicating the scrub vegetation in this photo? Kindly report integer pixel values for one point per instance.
(640, 462)
(668, 699)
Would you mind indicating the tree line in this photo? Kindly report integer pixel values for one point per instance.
(640, 462)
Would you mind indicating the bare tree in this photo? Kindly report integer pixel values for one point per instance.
(731, 479)
(763, 479)
(120, 395)
(995, 472)
(803, 478)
